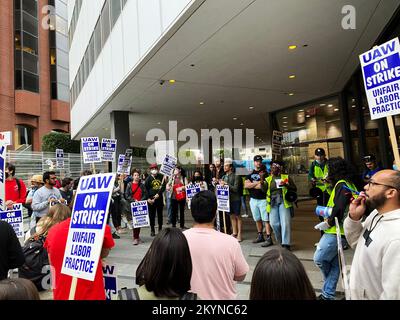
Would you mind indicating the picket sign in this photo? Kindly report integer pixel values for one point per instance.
(3, 153)
(223, 201)
(381, 73)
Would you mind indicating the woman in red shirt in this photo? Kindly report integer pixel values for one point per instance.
(135, 191)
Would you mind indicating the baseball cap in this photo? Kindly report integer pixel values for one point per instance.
(258, 158)
(153, 166)
(369, 158)
(319, 152)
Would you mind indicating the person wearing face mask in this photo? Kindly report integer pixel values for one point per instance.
(278, 206)
(177, 186)
(375, 268)
(198, 179)
(155, 187)
(15, 189)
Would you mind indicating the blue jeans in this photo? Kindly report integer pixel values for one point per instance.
(280, 221)
(169, 206)
(326, 258)
(244, 204)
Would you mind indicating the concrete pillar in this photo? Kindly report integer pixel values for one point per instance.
(120, 131)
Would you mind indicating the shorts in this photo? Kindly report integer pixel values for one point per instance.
(235, 207)
(259, 209)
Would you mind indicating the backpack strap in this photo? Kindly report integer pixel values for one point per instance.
(128, 294)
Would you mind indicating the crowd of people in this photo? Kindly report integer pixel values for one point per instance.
(205, 261)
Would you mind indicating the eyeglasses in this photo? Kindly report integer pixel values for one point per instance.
(55, 202)
(370, 182)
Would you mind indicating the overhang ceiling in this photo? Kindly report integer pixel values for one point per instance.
(233, 54)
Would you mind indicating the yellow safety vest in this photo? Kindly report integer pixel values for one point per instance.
(319, 174)
(284, 191)
(245, 191)
(331, 204)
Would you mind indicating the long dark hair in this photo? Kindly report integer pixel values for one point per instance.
(166, 269)
(279, 275)
(201, 176)
(18, 289)
(340, 169)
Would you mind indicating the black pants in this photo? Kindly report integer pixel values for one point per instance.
(175, 205)
(157, 207)
(115, 209)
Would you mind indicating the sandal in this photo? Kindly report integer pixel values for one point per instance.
(234, 235)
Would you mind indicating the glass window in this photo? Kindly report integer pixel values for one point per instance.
(17, 18)
(63, 92)
(62, 76)
(30, 24)
(124, 3)
(18, 79)
(17, 4)
(61, 9)
(91, 54)
(31, 82)
(54, 91)
(62, 59)
(30, 6)
(308, 127)
(115, 11)
(61, 42)
(97, 40)
(18, 59)
(17, 40)
(105, 22)
(30, 62)
(30, 44)
(61, 26)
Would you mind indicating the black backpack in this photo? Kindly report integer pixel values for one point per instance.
(36, 265)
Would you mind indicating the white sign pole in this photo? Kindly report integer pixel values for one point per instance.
(342, 261)
(72, 290)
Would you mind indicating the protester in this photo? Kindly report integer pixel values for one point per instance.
(18, 289)
(375, 268)
(258, 200)
(15, 189)
(326, 256)
(115, 207)
(371, 167)
(135, 191)
(317, 176)
(211, 177)
(45, 196)
(168, 195)
(278, 206)
(217, 258)
(11, 255)
(178, 184)
(36, 183)
(279, 275)
(57, 213)
(234, 182)
(155, 186)
(55, 245)
(198, 179)
(66, 190)
(166, 269)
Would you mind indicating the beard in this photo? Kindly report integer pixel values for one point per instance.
(376, 202)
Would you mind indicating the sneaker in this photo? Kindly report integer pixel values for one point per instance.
(245, 215)
(153, 233)
(121, 231)
(287, 247)
(268, 242)
(316, 244)
(259, 239)
(135, 242)
(321, 297)
(115, 236)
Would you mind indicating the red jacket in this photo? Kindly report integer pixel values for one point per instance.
(12, 192)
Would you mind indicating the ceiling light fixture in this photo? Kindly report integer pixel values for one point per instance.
(336, 109)
(330, 105)
(291, 94)
(322, 105)
(292, 47)
(301, 110)
(284, 117)
(235, 118)
(172, 81)
(201, 103)
(251, 107)
(292, 76)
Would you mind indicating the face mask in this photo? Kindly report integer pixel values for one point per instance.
(395, 167)
(154, 172)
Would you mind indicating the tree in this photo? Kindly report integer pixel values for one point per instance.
(58, 140)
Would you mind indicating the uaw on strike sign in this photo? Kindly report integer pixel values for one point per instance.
(88, 222)
(381, 71)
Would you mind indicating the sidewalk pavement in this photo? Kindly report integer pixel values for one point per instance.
(127, 257)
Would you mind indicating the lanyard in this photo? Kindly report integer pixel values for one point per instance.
(367, 232)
